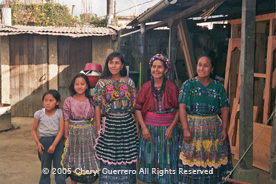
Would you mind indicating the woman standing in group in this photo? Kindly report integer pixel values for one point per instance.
(117, 144)
(157, 113)
(205, 145)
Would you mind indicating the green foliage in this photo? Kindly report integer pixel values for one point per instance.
(47, 14)
(96, 22)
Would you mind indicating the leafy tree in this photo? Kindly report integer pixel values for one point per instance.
(43, 14)
(95, 21)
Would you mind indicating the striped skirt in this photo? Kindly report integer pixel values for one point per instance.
(79, 159)
(205, 159)
(118, 174)
(157, 161)
(118, 140)
(117, 148)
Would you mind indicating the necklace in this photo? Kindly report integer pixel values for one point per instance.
(206, 82)
(117, 79)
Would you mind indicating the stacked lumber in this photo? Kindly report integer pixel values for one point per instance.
(263, 82)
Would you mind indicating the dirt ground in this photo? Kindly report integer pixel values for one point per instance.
(18, 155)
(19, 161)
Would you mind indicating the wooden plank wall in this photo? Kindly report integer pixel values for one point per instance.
(73, 55)
(29, 67)
(0, 87)
(29, 71)
(261, 148)
(5, 70)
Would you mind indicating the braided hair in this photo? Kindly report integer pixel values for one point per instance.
(160, 92)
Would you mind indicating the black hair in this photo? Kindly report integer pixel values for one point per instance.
(210, 55)
(87, 92)
(160, 92)
(54, 93)
(106, 73)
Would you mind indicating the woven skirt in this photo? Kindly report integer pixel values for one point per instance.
(118, 174)
(79, 158)
(158, 158)
(205, 159)
(118, 140)
(117, 149)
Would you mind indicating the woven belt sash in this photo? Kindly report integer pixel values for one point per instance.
(155, 119)
(79, 123)
(195, 116)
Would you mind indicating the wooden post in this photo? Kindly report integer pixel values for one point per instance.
(245, 170)
(187, 48)
(247, 77)
(143, 51)
(172, 50)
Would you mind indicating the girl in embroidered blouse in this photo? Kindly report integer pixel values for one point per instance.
(157, 113)
(117, 144)
(79, 158)
(205, 145)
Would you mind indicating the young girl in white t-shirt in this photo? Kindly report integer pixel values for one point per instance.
(50, 124)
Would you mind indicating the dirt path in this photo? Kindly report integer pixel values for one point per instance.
(19, 163)
(18, 155)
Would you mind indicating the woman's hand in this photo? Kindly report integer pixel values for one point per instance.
(40, 148)
(97, 131)
(187, 135)
(169, 133)
(223, 136)
(97, 120)
(64, 141)
(51, 149)
(146, 134)
(138, 132)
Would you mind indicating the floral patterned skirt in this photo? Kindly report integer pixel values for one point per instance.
(205, 151)
(205, 148)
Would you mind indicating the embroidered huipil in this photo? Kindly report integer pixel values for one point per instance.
(203, 100)
(115, 97)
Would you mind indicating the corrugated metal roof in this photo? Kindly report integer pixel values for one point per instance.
(75, 32)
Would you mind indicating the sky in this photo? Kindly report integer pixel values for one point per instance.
(99, 6)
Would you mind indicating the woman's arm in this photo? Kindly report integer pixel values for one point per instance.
(184, 122)
(34, 134)
(137, 126)
(146, 133)
(224, 118)
(97, 119)
(66, 126)
(52, 148)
